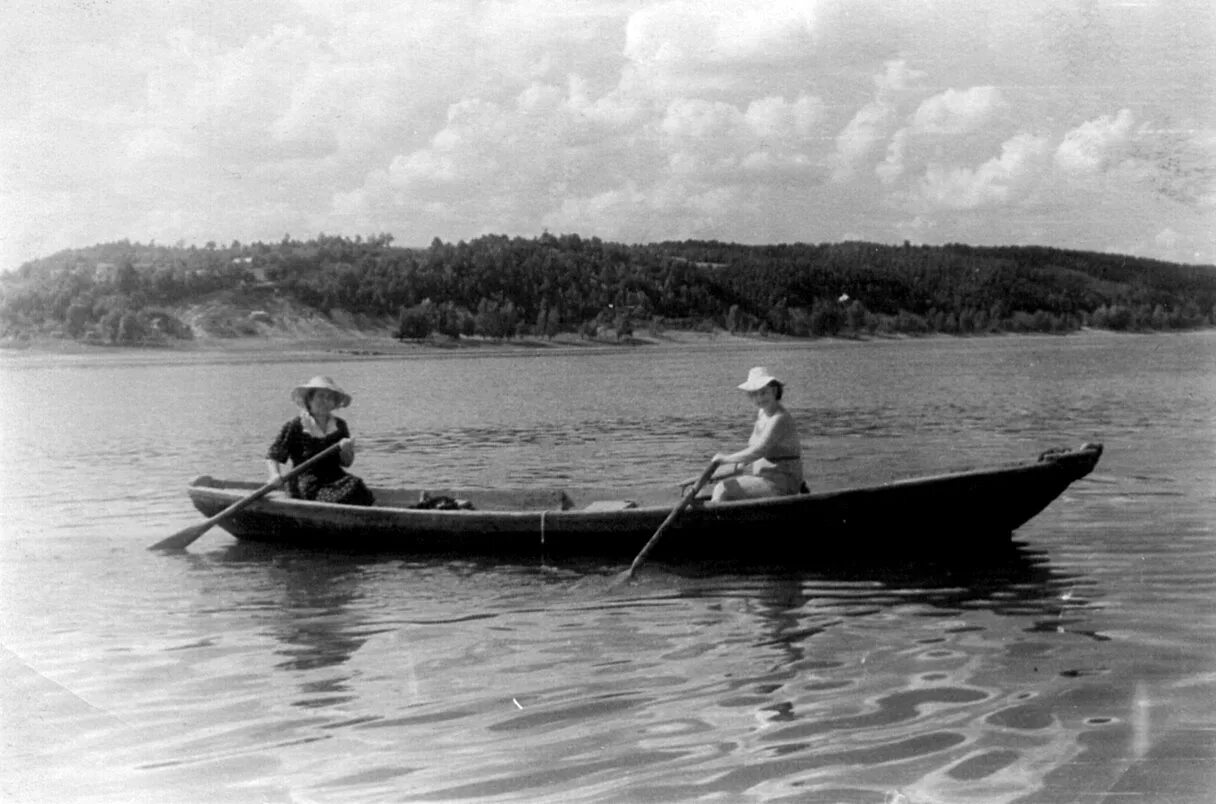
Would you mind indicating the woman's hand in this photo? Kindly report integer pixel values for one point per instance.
(274, 472)
(280, 488)
(346, 450)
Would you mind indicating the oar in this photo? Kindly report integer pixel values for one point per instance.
(183, 538)
(627, 575)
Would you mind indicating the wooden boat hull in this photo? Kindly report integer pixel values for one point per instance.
(962, 511)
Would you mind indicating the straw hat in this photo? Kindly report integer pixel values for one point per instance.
(757, 378)
(320, 383)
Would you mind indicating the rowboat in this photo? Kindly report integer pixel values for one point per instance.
(958, 512)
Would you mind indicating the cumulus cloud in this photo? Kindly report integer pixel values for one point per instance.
(692, 121)
(940, 125)
(1117, 155)
(773, 119)
(874, 121)
(892, 167)
(955, 111)
(501, 166)
(729, 49)
(1096, 144)
(993, 183)
(681, 35)
(567, 152)
(716, 130)
(867, 128)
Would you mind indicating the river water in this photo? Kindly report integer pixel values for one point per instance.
(1081, 667)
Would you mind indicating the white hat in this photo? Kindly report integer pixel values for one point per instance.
(321, 383)
(757, 378)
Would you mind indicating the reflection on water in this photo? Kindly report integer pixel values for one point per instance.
(317, 621)
(313, 613)
(775, 662)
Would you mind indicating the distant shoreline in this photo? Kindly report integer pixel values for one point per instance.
(366, 346)
(372, 346)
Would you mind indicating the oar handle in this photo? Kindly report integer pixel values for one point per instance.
(675, 512)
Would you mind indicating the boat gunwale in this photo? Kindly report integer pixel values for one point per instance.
(1088, 453)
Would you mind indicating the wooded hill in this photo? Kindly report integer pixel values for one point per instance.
(501, 287)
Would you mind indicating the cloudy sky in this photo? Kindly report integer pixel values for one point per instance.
(1087, 124)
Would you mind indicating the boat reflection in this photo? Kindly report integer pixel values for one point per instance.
(1016, 581)
(321, 618)
(314, 616)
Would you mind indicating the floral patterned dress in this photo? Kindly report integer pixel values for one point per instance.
(325, 481)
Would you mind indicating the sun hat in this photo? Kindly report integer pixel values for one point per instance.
(757, 378)
(320, 383)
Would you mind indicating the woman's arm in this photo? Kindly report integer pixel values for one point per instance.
(346, 452)
(280, 451)
(742, 456)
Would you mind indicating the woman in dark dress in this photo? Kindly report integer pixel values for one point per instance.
(315, 429)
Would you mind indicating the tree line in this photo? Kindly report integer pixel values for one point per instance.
(505, 287)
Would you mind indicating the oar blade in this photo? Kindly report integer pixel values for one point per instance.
(628, 574)
(620, 579)
(182, 539)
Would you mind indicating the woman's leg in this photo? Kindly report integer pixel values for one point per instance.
(349, 490)
(744, 487)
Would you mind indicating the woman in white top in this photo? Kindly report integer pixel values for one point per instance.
(774, 451)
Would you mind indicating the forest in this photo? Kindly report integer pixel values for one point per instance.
(503, 287)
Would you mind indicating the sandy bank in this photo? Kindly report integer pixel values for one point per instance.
(364, 346)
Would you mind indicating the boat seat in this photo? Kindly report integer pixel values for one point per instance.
(610, 505)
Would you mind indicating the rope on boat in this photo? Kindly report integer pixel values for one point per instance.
(542, 527)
